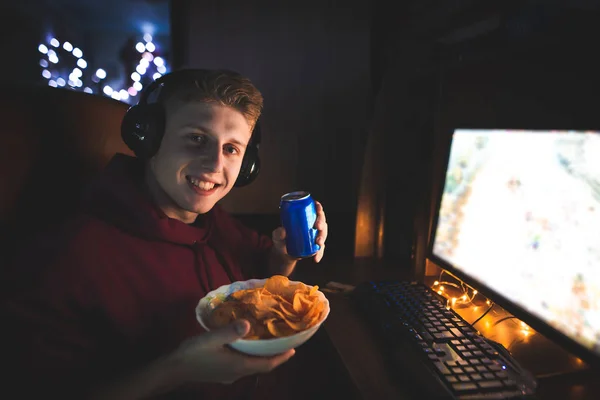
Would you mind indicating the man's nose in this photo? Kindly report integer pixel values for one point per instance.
(214, 159)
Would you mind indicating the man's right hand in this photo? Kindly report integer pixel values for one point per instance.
(205, 358)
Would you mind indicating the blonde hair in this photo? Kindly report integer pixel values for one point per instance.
(224, 87)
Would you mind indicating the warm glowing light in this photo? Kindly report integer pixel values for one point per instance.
(464, 297)
(434, 283)
(439, 292)
(442, 288)
(488, 302)
(474, 292)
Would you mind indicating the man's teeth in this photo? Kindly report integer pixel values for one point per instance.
(202, 184)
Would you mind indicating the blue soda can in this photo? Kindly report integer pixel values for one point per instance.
(298, 216)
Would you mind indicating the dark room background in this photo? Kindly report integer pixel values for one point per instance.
(359, 95)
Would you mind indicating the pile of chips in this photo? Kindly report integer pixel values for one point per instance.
(277, 309)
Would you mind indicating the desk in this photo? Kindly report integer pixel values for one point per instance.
(358, 350)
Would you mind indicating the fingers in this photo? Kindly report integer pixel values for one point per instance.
(319, 255)
(322, 227)
(230, 333)
(278, 234)
(266, 364)
(320, 210)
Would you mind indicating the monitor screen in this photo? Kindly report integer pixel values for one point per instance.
(519, 216)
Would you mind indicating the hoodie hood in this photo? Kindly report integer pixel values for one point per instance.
(119, 197)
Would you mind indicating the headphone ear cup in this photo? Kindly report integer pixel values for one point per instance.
(250, 168)
(142, 129)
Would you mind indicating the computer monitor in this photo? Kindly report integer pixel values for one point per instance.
(519, 219)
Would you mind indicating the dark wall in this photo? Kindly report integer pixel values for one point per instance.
(19, 39)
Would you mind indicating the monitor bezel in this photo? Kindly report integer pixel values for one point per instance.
(538, 324)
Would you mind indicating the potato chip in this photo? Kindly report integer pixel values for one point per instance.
(278, 309)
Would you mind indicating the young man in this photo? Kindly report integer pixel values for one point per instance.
(105, 308)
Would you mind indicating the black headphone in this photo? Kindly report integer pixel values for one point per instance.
(143, 126)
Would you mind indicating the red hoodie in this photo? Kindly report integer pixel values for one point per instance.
(118, 285)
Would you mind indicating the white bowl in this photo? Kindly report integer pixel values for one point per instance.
(257, 347)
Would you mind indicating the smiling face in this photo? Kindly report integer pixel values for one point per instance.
(199, 158)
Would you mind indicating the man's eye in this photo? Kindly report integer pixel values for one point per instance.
(231, 150)
(200, 139)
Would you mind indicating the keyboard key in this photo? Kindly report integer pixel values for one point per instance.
(469, 370)
(464, 386)
(452, 379)
(489, 375)
(481, 368)
(464, 378)
(467, 354)
(443, 335)
(490, 384)
(476, 377)
(457, 332)
(455, 342)
(456, 370)
(441, 367)
(460, 348)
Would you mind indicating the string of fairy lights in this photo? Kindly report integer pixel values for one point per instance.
(64, 65)
(458, 294)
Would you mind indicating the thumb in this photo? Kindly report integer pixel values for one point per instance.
(230, 333)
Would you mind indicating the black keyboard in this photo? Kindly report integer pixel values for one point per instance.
(435, 348)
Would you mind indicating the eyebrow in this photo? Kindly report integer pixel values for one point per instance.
(204, 129)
